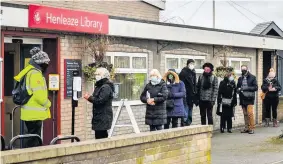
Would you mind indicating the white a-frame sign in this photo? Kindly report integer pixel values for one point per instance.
(133, 124)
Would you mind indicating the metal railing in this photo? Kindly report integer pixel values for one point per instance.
(14, 139)
(70, 137)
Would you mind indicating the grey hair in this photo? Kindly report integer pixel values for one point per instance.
(155, 72)
(103, 72)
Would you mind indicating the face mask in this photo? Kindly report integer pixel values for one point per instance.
(98, 77)
(244, 72)
(43, 67)
(155, 80)
(170, 77)
(270, 78)
(231, 78)
(191, 66)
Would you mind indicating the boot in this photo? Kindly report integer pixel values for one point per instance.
(275, 123)
(267, 122)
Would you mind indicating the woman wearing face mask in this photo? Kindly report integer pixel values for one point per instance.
(102, 103)
(207, 89)
(154, 95)
(227, 99)
(271, 87)
(174, 104)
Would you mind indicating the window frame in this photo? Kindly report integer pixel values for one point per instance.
(238, 71)
(130, 70)
(179, 57)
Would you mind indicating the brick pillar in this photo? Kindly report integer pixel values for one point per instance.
(259, 74)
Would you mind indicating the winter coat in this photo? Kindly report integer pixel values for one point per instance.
(189, 78)
(177, 92)
(252, 88)
(271, 94)
(155, 114)
(102, 105)
(207, 94)
(227, 90)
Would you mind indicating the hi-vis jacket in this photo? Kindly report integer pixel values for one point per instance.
(37, 108)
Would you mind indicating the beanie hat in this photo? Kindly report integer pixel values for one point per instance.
(172, 70)
(190, 61)
(208, 65)
(39, 56)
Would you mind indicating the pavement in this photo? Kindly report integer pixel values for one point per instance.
(238, 148)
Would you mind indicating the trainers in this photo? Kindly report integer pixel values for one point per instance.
(251, 132)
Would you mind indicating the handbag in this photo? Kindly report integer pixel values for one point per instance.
(262, 95)
(248, 95)
(170, 104)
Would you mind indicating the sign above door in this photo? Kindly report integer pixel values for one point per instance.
(67, 20)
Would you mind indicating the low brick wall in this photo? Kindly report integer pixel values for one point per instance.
(280, 109)
(181, 145)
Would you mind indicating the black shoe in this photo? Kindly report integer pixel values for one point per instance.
(229, 131)
(245, 131)
(222, 130)
(251, 132)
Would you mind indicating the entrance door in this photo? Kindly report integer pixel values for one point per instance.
(266, 66)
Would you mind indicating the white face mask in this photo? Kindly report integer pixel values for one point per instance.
(98, 77)
(191, 66)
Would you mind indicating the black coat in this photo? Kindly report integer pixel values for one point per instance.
(252, 87)
(189, 78)
(155, 114)
(227, 90)
(102, 105)
(271, 94)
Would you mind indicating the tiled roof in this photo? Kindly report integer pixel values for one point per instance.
(259, 28)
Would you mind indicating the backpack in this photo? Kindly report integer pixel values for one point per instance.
(20, 93)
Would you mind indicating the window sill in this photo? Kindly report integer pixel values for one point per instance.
(131, 103)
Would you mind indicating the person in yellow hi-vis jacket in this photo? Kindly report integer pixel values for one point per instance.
(36, 109)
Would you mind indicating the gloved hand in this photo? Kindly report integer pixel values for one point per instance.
(170, 95)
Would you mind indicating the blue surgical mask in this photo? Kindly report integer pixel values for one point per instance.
(155, 80)
(231, 78)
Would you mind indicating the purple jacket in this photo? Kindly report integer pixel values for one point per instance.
(177, 91)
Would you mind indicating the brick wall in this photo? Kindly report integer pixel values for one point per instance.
(280, 109)
(181, 145)
(130, 9)
(259, 75)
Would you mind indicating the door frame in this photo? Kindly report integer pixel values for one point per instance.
(38, 35)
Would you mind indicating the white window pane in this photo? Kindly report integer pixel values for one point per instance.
(172, 63)
(184, 62)
(199, 63)
(122, 62)
(236, 65)
(139, 62)
(131, 85)
(107, 59)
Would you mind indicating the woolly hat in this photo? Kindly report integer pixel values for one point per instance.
(190, 61)
(208, 65)
(38, 56)
(172, 70)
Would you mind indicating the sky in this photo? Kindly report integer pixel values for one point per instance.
(236, 15)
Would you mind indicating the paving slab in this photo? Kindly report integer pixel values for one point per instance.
(238, 148)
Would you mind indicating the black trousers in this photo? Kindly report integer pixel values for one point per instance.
(174, 122)
(155, 127)
(224, 120)
(271, 104)
(33, 127)
(206, 111)
(100, 134)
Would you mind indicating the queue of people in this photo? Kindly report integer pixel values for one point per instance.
(169, 99)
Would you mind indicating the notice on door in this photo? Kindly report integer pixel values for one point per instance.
(71, 65)
(54, 82)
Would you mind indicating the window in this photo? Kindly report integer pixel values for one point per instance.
(236, 63)
(180, 61)
(130, 74)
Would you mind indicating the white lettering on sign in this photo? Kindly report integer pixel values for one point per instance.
(83, 22)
